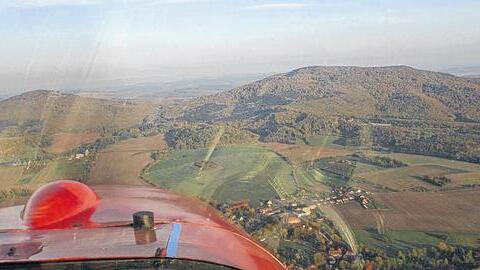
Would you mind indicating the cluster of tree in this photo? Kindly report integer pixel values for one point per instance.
(205, 112)
(299, 258)
(201, 136)
(284, 134)
(246, 217)
(304, 123)
(441, 256)
(456, 143)
(356, 134)
(155, 155)
(444, 139)
(99, 144)
(126, 133)
(384, 162)
(436, 180)
(460, 100)
(344, 168)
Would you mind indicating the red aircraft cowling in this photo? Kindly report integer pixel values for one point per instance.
(84, 227)
(61, 204)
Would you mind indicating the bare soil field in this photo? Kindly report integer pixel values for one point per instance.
(298, 154)
(122, 163)
(450, 211)
(63, 142)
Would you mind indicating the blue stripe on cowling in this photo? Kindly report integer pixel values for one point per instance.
(172, 246)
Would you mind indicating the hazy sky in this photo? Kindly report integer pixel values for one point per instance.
(82, 44)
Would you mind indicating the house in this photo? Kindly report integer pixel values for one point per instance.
(309, 208)
(274, 212)
(301, 212)
(335, 252)
(266, 210)
(239, 205)
(291, 219)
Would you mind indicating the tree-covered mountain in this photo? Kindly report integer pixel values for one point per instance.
(395, 92)
(399, 107)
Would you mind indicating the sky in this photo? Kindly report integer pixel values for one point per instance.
(82, 44)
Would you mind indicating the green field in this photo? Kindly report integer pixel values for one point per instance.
(232, 173)
(364, 168)
(322, 140)
(379, 179)
(314, 179)
(326, 141)
(332, 141)
(425, 160)
(409, 177)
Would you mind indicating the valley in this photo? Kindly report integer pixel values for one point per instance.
(407, 140)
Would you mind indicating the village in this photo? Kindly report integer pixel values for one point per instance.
(304, 207)
(301, 216)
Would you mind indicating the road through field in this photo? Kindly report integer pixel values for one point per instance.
(341, 226)
(122, 163)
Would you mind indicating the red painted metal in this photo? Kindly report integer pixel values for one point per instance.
(107, 233)
(61, 204)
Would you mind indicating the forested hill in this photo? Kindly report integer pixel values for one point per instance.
(400, 107)
(397, 92)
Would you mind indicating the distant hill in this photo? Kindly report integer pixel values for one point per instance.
(395, 92)
(385, 106)
(58, 112)
(161, 90)
(474, 78)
